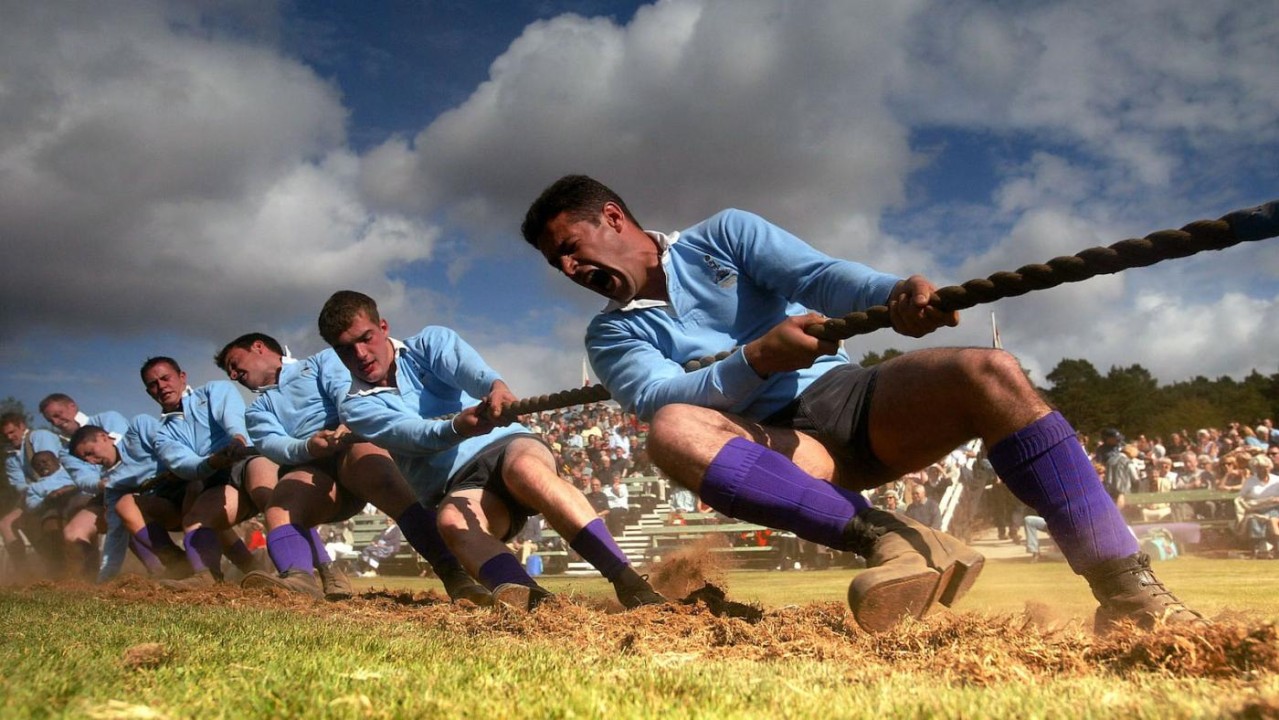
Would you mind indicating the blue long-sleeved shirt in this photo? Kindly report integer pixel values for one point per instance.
(17, 465)
(210, 417)
(730, 279)
(40, 489)
(437, 373)
(303, 402)
(87, 475)
(138, 462)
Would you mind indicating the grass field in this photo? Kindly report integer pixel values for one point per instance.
(130, 650)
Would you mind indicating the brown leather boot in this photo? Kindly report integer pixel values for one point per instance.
(520, 597)
(910, 568)
(298, 581)
(461, 586)
(201, 579)
(337, 586)
(1127, 589)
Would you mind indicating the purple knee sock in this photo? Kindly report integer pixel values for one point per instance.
(749, 482)
(319, 553)
(160, 542)
(1045, 467)
(290, 548)
(140, 544)
(504, 568)
(204, 552)
(597, 547)
(239, 555)
(420, 530)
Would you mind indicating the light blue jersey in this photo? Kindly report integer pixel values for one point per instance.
(437, 373)
(210, 417)
(303, 402)
(17, 462)
(40, 489)
(730, 280)
(138, 463)
(87, 475)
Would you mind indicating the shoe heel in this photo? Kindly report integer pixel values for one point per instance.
(961, 579)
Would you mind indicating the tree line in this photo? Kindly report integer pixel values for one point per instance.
(1131, 399)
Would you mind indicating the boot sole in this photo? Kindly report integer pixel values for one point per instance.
(257, 580)
(959, 578)
(884, 604)
(513, 596)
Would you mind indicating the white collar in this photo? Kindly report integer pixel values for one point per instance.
(664, 242)
(285, 359)
(361, 388)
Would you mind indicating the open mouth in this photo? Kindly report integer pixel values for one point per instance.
(599, 281)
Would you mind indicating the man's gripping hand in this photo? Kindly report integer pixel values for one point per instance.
(787, 347)
(328, 442)
(912, 308)
(498, 403)
(473, 421)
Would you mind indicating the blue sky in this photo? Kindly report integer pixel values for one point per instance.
(173, 174)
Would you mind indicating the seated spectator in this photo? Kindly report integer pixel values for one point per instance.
(682, 500)
(383, 547)
(598, 500)
(618, 506)
(923, 509)
(525, 544)
(1232, 470)
(1250, 438)
(888, 501)
(1259, 506)
(1121, 473)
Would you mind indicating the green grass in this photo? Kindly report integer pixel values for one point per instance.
(60, 654)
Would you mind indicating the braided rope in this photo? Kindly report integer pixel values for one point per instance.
(1248, 225)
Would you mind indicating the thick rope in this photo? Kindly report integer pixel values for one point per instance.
(1258, 223)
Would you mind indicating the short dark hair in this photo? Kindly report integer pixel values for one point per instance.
(244, 342)
(158, 360)
(12, 418)
(83, 435)
(339, 312)
(52, 398)
(582, 197)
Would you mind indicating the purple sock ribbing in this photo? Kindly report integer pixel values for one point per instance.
(504, 568)
(141, 545)
(204, 552)
(160, 542)
(420, 530)
(597, 547)
(1045, 467)
(319, 553)
(289, 548)
(749, 482)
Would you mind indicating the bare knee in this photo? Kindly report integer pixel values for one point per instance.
(675, 426)
(457, 517)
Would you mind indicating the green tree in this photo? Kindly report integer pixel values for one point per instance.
(874, 358)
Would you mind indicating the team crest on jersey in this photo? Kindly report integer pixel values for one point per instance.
(724, 277)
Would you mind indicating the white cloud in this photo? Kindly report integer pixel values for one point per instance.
(781, 108)
(154, 172)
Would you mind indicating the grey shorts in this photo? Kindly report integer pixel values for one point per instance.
(835, 409)
(236, 476)
(169, 488)
(485, 471)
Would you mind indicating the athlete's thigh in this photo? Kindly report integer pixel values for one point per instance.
(475, 509)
